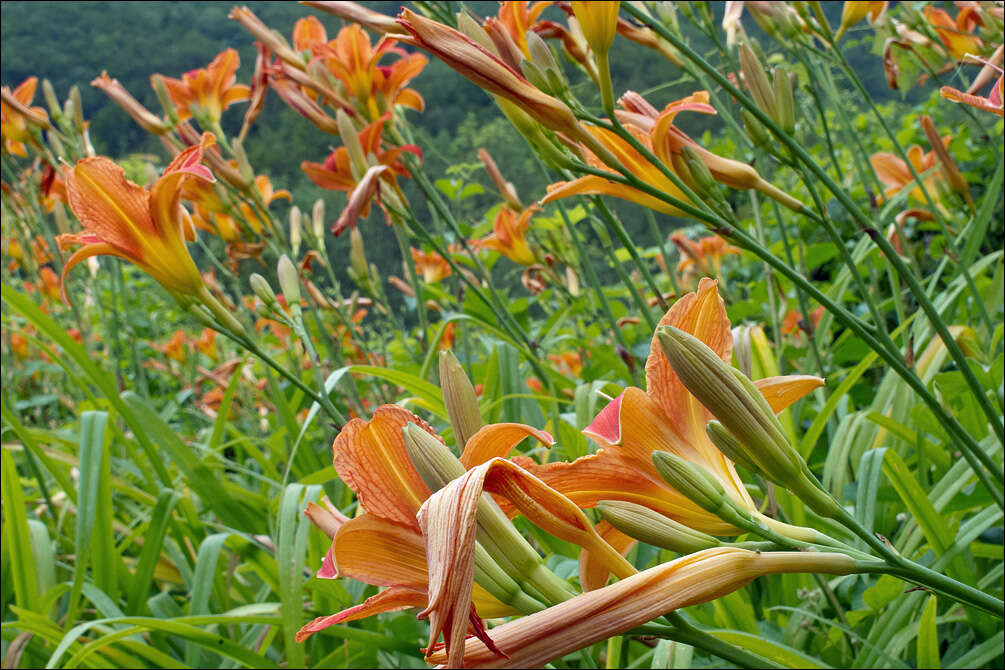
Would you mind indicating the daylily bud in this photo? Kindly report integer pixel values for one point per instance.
(357, 254)
(700, 174)
(296, 221)
(432, 459)
(460, 398)
(746, 415)
(243, 164)
(692, 481)
(160, 88)
(49, 93)
(289, 282)
(785, 106)
(946, 162)
(270, 38)
(260, 286)
(729, 446)
(318, 222)
(653, 528)
(78, 109)
(475, 31)
(757, 82)
(742, 409)
(353, 12)
(756, 131)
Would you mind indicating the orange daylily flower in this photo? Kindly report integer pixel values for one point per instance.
(895, 174)
(355, 63)
(536, 639)
(641, 122)
(384, 545)
(509, 235)
(174, 348)
(147, 228)
(486, 70)
(568, 362)
(701, 258)
(791, 323)
(14, 123)
(599, 22)
(337, 173)
(211, 89)
(207, 344)
(665, 417)
(214, 216)
(432, 266)
(50, 283)
(18, 345)
(956, 35)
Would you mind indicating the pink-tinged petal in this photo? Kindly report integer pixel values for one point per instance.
(606, 426)
(592, 573)
(389, 600)
(781, 392)
(325, 516)
(497, 440)
(328, 569)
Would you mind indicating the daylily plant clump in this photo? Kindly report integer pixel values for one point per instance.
(715, 388)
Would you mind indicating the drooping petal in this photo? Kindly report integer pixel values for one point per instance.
(497, 440)
(359, 199)
(370, 457)
(389, 600)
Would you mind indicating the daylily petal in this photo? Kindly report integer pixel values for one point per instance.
(781, 392)
(497, 440)
(380, 552)
(592, 573)
(389, 600)
(109, 205)
(370, 457)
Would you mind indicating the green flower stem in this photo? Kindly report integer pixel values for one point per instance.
(626, 280)
(769, 276)
(900, 566)
(591, 277)
(680, 630)
(413, 279)
(971, 450)
(950, 239)
(662, 246)
(614, 224)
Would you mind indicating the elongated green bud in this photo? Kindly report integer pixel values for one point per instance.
(296, 233)
(460, 398)
(730, 446)
(163, 97)
(49, 93)
(243, 164)
(738, 406)
(77, 109)
(357, 254)
(756, 131)
(757, 81)
(692, 481)
(653, 528)
(289, 282)
(261, 287)
(432, 459)
(785, 105)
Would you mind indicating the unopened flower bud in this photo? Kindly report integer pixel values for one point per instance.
(160, 88)
(318, 223)
(757, 82)
(289, 282)
(700, 174)
(49, 93)
(653, 528)
(357, 253)
(260, 286)
(756, 131)
(296, 223)
(77, 108)
(460, 398)
(432, 459)
(243, 164)
(785, 106)
(474, 31)
(729, 446)
(691, 480)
